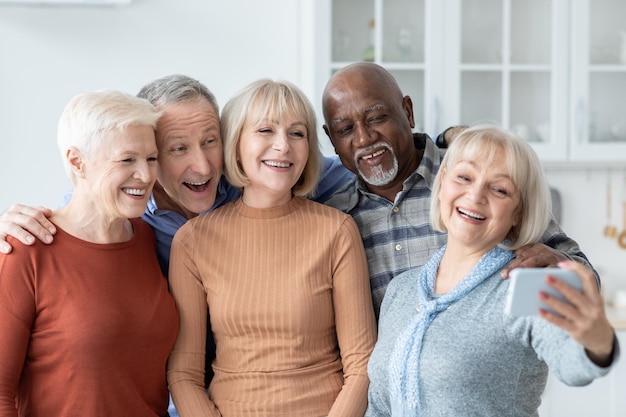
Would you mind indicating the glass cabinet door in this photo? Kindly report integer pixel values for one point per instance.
(510, 65)
(598, 118)
(353, 31)
(403, 26)
(553, 71)
(391, 33)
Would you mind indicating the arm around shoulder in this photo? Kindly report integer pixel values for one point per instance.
(25, 223)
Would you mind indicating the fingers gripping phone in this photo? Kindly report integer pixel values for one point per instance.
(526, 283)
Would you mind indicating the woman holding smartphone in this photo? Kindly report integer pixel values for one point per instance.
(445, 346)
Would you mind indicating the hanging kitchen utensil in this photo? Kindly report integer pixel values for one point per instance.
(621, 238)
(609, 230)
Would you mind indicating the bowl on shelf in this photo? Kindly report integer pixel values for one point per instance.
(543, 132)
(618, 131)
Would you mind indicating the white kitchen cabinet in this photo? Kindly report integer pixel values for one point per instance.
(553, 71)
(395, 33)
(604, 397)
(598, 80)
(506, 62)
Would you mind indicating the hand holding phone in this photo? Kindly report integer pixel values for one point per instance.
(525, 285)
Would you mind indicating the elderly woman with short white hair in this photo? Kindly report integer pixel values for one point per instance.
(87, 323)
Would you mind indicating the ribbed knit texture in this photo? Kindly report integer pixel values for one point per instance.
(286, 288)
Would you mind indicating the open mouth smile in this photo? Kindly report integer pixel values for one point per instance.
(277, 164)
(374, 155)
(134, 191)
(197, 186)
(470, 215)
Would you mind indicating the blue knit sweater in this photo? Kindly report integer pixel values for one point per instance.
(476, 361)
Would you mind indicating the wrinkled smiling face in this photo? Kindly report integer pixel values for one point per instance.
(370, 128)
(121, 172)
(479, 202)
(190, 154)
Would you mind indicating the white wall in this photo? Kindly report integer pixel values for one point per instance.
(583, 194)
(50, 53)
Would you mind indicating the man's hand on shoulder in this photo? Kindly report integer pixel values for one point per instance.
(446, 137)
(25, 223)
(536, 255)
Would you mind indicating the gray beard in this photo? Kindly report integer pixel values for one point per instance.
(378, 176)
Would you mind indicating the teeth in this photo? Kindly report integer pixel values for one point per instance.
(277, 164)
(471, 215)
(196, 183)
(134, 191)
(375, 154)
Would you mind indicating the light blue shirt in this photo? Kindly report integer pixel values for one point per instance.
(166, 223)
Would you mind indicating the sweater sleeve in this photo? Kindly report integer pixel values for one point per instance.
(565, 358)
(185, 369)
(390, 324)
(354, 319)
(17, 313)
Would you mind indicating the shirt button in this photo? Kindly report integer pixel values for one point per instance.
(396, 209)
(398, 247)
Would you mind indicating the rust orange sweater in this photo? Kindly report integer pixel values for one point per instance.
(85, 328)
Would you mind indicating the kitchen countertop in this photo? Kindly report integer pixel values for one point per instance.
(617, 317)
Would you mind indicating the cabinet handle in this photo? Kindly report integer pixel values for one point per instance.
(434, 117)
(581, 120)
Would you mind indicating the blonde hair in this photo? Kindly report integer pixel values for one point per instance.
(89, 116)
(267, 99)
(524, 169)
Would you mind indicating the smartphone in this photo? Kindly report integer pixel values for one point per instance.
(523, 294)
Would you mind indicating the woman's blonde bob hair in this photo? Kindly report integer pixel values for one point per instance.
(274, 100)
(481, 142)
